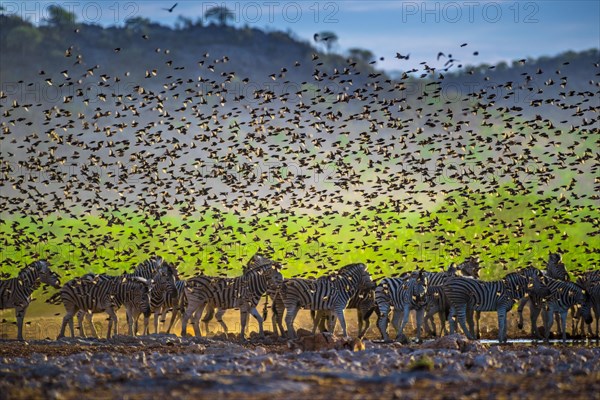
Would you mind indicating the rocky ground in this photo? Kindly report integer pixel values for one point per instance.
(167, 365)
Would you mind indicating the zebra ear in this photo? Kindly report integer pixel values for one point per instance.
(143, 280)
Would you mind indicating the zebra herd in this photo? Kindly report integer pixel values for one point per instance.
(456, 295)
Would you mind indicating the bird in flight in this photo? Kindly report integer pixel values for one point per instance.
(170, 9)
(401, 57)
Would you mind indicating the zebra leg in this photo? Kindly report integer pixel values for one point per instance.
(260, 321)
(382, 321)
(80, 316)
(477, 319)
(185, 317)
(210, 314)
(157, 312)
(174, 315)
(452, 319)
(522, 303)
(548, 321)
(90, 318)
(112, 319)
(68, 317)
(219, 317)
(243, 322)
(196, 320)
(470, 322)
(420, 313)
(557, 316)
(278, 309)
(501, 325)
(340, 315)
(461, 315)
(430, 327)
(20, 314)
(405, 318)
(534, 312)
(290, 316)
(563, 323)
(316, 319)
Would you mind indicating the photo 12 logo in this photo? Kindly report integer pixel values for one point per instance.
(470, 11)
(89, 12)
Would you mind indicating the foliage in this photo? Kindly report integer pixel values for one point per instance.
(222, 15)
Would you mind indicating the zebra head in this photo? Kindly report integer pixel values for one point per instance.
(141, 290)
(419, 286)
(257, 261)
(518, 283)
(538, 285)
(452, 270)
(586, 308)
(46, 275)
(556, 268)
(272, 273)
(470, 267)
(358, 273)
(166, 279)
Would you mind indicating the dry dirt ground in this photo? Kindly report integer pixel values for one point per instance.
(226, 367)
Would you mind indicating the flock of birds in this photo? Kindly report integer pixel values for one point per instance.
(346, 161)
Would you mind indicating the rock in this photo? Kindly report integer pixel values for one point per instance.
(402, 339)
(301, 332)
(260, 351)
(45, 371)
(484, 361)
(456, 342)
(327, 341)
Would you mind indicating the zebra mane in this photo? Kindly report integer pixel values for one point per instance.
(257, 261)
(350, 268)
(37, 266)
(149, 267)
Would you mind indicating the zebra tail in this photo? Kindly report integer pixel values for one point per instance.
(265, 309)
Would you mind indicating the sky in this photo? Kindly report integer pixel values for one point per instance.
(501, 30)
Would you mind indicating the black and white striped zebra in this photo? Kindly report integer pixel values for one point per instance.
(243, 292)
(173, 303)
(593, 305)
(555, 269)
(563, 296)
(256, 261)
(401, 295)
(104, 293)
(164, 290)
(364, 304)
(330, 293)
(16, 292)
(436, 300)
(467, 295)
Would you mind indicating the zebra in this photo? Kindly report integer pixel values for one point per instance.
(105, 293)
(467, 295)
(593, 299)
(364, 304)
(173, 302)
(563, 296)
(243, 292)
(402, 295)
(555, 269)
(257, 260)
(16, 292)
(330, 293)
(155, 270)
(164, 289)
(435, 298)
